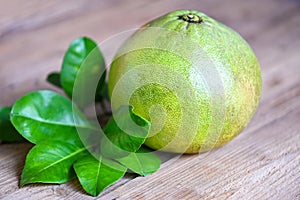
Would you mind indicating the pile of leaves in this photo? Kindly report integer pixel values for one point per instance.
(98, 157)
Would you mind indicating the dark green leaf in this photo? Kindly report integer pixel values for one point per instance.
(54, 79)
(143, 162)
(125, 132)
(46, 115)
(84, 56)
(51, 162)
(7, 132)
(103, 93)
(97, 174)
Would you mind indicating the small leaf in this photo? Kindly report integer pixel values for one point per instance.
(97, 174)
(7, 131)
(125, 132)
(84, 56)
(46, 115)
(51, 162)
(143, 162)
(54, 79)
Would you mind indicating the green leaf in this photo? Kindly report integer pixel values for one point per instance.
(51, 162)
(84, 56)
(97, 174)
(125, 136)
(46, 115)
(143, 162)
(54, 79)
(103, 93)
(7, 131)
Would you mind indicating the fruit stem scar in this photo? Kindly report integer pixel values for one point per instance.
(191, 18)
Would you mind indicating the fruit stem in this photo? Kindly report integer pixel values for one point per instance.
(191, 18)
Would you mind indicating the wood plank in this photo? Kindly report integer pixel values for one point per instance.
(19, 16)
(262, 163)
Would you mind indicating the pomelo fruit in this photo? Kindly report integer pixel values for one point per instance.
(195, 79)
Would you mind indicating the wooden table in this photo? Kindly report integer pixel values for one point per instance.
(261, 163)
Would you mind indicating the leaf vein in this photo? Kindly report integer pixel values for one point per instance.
(55, 123)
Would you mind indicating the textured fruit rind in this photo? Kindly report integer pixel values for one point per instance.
(234, 60)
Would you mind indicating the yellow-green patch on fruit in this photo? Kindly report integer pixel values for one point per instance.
(195, 79)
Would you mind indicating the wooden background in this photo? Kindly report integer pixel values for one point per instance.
(261, 163)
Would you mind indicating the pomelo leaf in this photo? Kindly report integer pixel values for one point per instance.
(54, 79)
(143, 162)
(84, 56)
(7, 131)
(51, 162)
(125, 133)
(46, 115)
(97, 174)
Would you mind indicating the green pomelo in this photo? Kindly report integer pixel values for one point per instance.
(195, 79)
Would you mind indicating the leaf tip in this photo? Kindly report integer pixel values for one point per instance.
(23, 182)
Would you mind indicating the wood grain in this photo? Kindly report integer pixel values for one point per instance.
(261, 163)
